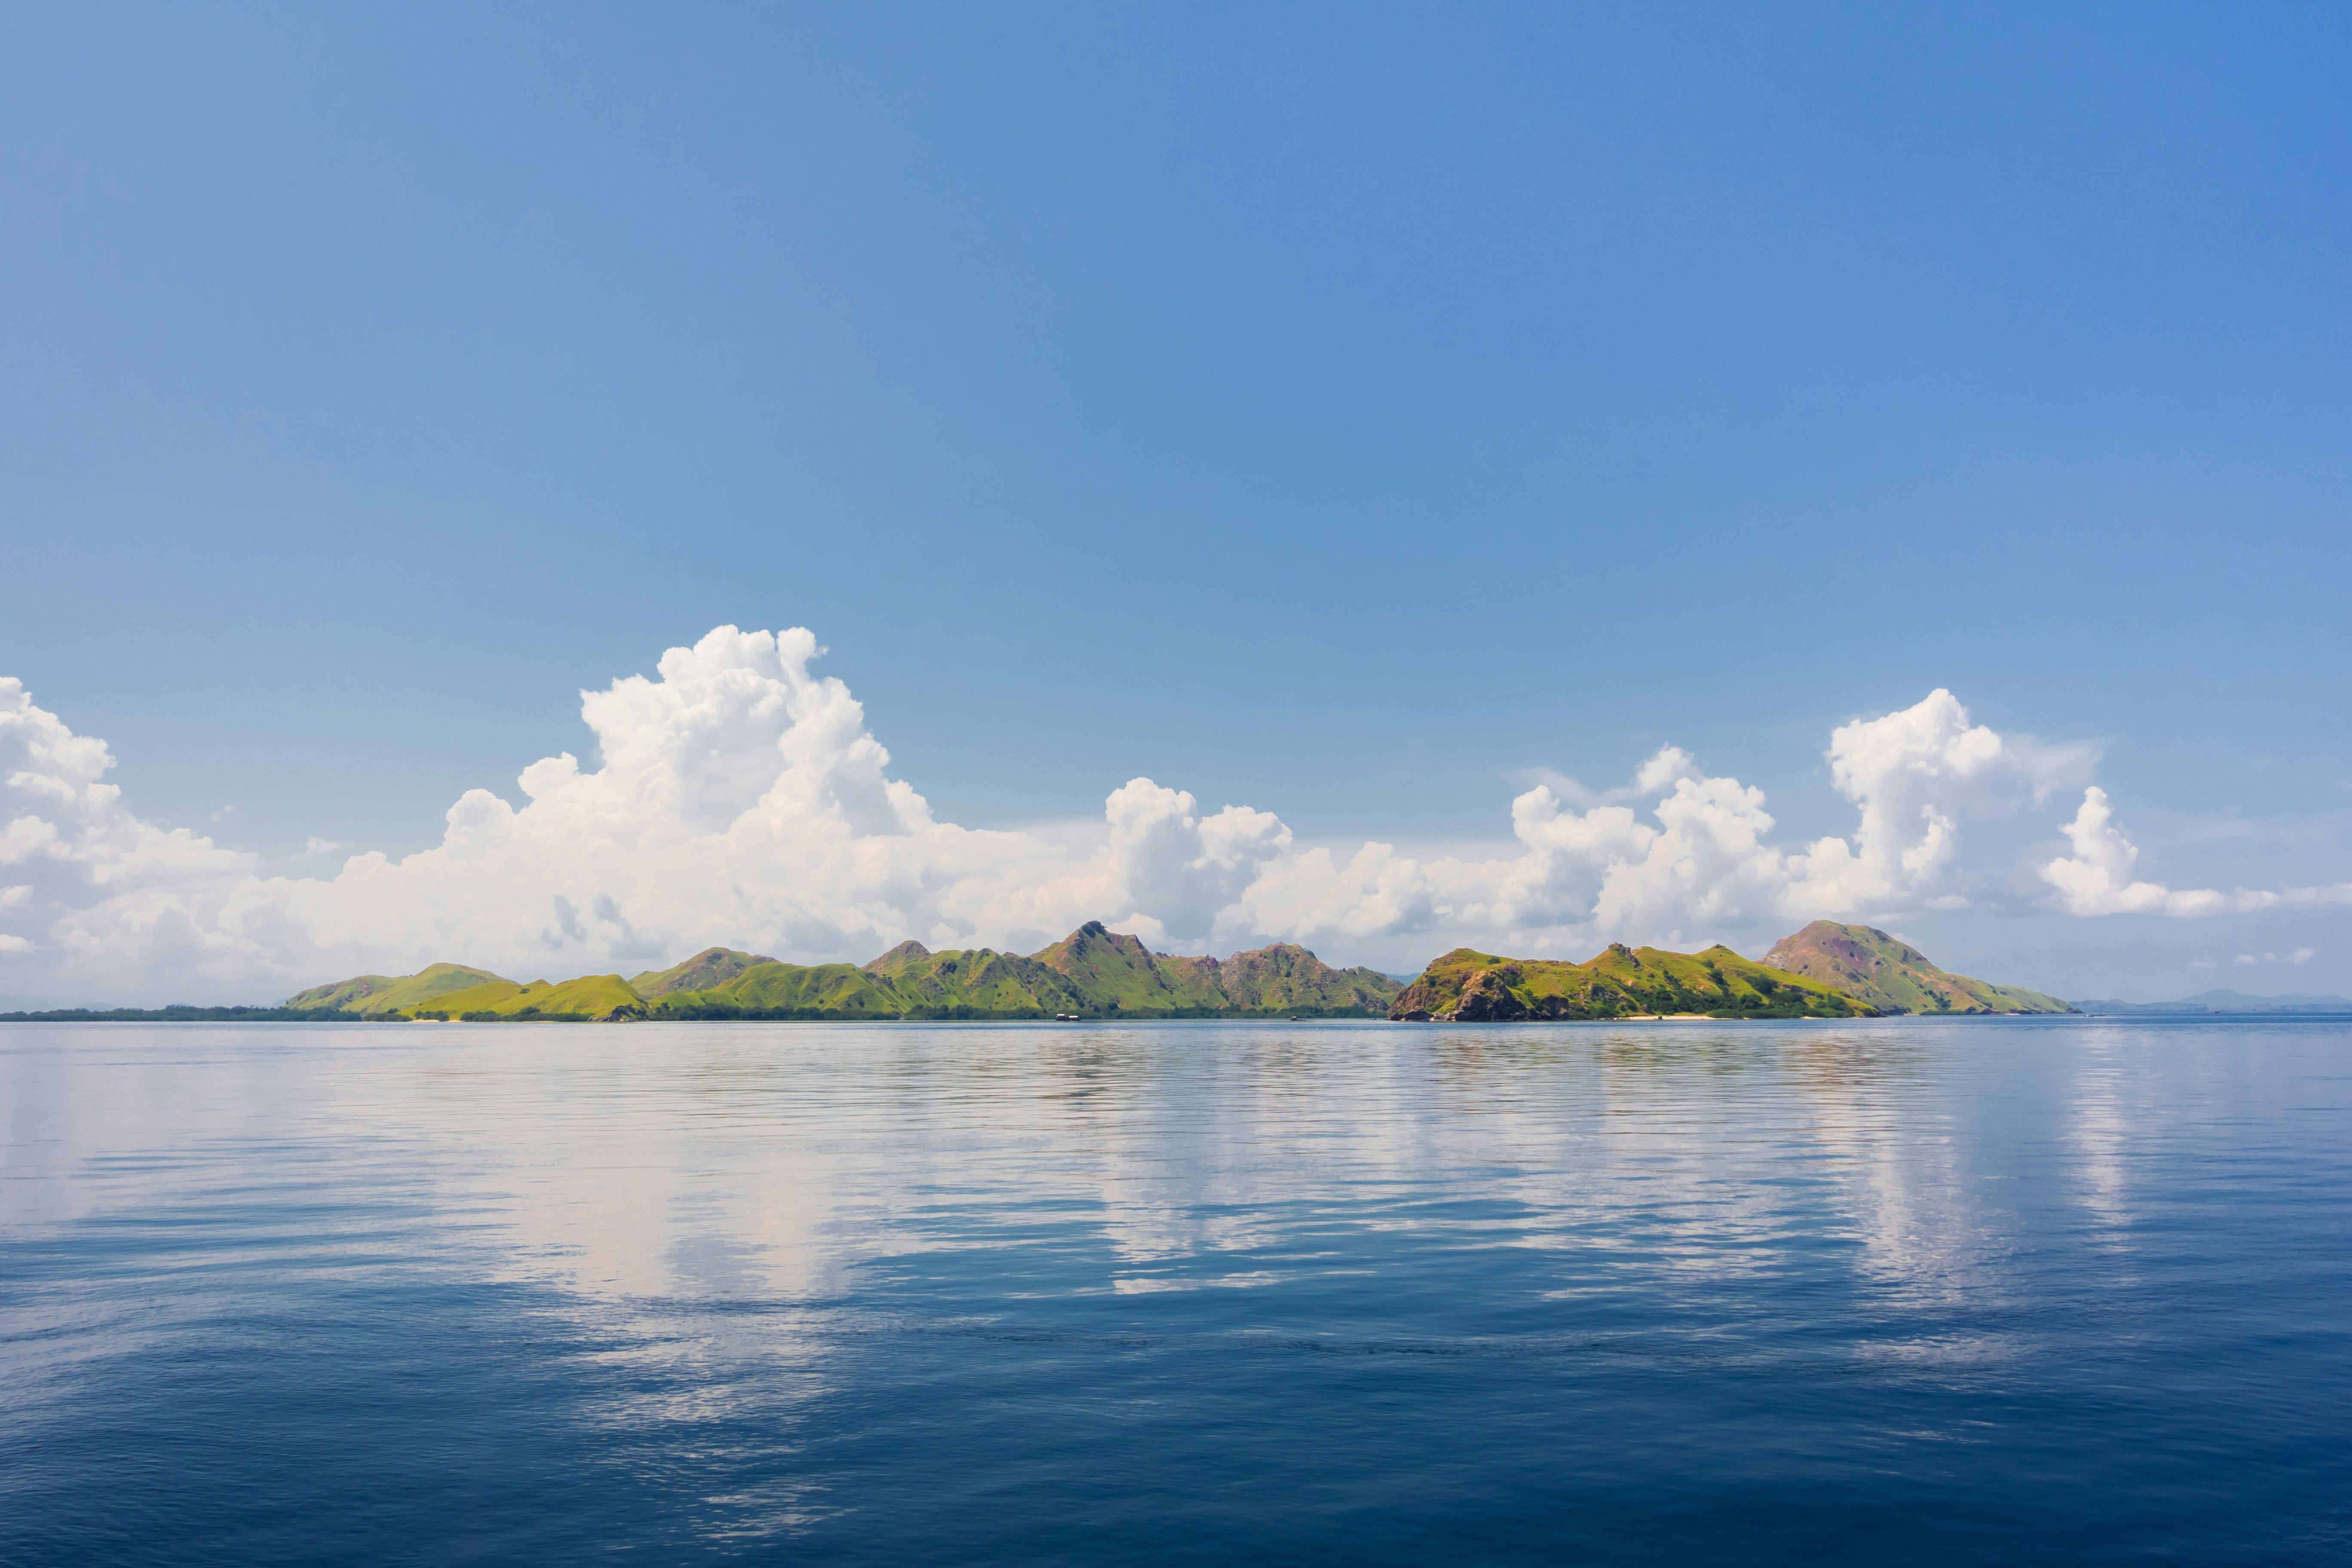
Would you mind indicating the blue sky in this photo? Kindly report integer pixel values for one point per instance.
(1346, 411)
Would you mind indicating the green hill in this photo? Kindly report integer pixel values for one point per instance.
(481, 998)
(1116, 973)
(1468, 986)
(598, 998)
(1095, 971)
(1092, 973)
(713, 966)
(1894, 976)
(453, 991)
(976, 983)
(391, 993)
(908, 982)
(774, 990)
(606, 999)
(1286, 978)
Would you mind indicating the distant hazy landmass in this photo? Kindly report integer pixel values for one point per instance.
(1894, 976)
(2225, 1001)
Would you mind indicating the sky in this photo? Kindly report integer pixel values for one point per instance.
(1364, 416)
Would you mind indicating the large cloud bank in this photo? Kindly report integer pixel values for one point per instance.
(742, 799)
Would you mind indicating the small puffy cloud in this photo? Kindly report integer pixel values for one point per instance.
(317, 846)
(2101, 878)
(1567, 788)
(1668, 768)
(2303, 955)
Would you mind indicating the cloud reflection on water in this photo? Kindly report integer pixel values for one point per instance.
(775, 1163)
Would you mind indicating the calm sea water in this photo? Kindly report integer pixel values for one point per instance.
(2064, 1291)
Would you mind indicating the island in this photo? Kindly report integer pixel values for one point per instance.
(1825, 971)
(1093, 972)
(1469, 986)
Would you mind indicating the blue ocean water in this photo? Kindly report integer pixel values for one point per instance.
(1924, 1292)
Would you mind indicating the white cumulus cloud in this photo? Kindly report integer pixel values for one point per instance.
(742, 798)
(1706, 861)
(739, 797)
(2101, 878)
(80, 875)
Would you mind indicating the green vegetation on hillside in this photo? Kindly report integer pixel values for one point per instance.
(1894, 976)
(481, 998)
(1091, 973)
(390, 994)
(1287, 979)
(975, 983)
(1119, 974)
(603, 999)
(774, 990)
(1468, 986)
(713, 966)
